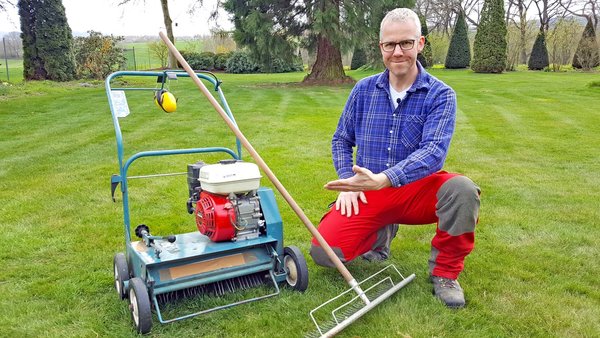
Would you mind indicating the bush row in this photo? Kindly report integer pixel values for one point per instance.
(238, 62)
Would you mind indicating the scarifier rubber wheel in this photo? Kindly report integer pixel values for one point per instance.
(121, 274)
(296, 268)
(139, 304)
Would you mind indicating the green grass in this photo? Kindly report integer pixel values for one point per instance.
(15, 71)
(529, 139)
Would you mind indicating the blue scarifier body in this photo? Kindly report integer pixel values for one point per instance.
(169, 267)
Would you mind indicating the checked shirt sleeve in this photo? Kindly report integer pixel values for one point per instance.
(344, 139)
(431, 153)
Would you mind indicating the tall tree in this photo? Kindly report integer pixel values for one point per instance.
(442, 13)
(47, 41)
(459, 51)
(516, 13)
(489, 49)
(586, 55)
(547, 11)
(587, 9)
(329, 27)
(426, 55)
(539, 54)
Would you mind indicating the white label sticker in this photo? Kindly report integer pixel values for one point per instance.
(119, 103)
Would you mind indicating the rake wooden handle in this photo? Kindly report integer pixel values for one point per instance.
(259, 161)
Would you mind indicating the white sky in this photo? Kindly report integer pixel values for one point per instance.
(130, 19)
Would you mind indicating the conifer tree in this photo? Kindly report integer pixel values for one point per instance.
(586, 55)
(47, 41)
(359, 58)
(489, 49)
(426, 55)
(538, 60)
(459, 51)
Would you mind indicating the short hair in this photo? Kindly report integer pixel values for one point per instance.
(401, 15)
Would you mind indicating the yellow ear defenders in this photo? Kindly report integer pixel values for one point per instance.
(165, 100)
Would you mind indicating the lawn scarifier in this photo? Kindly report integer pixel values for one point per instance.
(239, 244)
(349, 310)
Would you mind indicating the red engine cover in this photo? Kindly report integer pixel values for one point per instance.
(214, 217)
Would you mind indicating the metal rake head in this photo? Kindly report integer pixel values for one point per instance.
(337, 313)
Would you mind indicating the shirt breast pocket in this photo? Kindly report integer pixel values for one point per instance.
(411, 129)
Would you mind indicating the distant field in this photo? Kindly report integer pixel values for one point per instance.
(139, 56)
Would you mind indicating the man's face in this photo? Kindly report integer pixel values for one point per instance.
(400, 62)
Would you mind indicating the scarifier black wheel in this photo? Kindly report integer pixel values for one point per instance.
(296, 268)
(139, 304)
(121, 274)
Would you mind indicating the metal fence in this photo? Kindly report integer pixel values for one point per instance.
(140, 59)
(5, 61)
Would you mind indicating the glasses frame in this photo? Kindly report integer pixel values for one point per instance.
(398, 44)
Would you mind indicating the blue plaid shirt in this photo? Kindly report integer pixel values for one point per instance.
(406, 143)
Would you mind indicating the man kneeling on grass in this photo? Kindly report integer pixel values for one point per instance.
(401, 121)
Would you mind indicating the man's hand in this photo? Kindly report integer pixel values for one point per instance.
(362, 180)
(348, 200)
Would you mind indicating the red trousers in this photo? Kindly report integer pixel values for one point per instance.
(454, 207)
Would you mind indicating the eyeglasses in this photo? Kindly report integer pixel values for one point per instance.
(391, 46)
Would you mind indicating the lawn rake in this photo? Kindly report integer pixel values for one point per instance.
(366, 297)
(239, 242)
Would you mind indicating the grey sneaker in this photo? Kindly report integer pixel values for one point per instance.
(449, 291)
(375, 256)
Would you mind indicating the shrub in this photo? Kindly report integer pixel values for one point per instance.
(359, 58)
(221, 60)
(459, 52)
(539, 54)
(241, 62)
(97, 55)
(489, 49)
(279, 65)
(199, 61)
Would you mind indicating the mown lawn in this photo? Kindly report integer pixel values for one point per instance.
(530, 140)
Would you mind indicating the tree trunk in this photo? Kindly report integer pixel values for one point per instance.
(523, 32)
(328, 68)
(169, 27)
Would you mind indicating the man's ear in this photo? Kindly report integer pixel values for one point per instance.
(421, 44)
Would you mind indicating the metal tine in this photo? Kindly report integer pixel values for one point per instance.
(218, 288)
(221, 289)
(228, 283)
